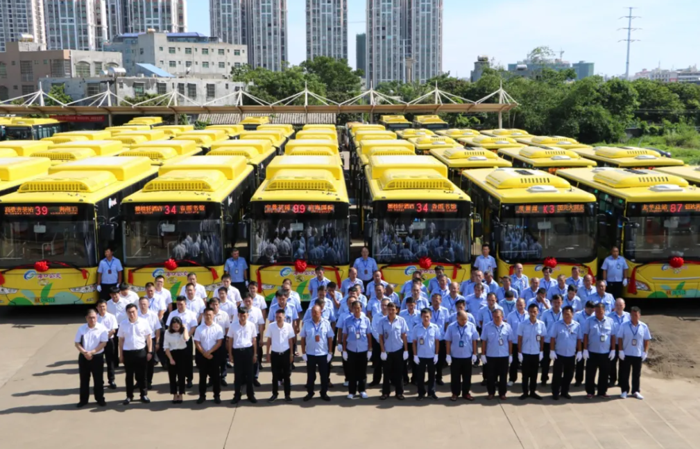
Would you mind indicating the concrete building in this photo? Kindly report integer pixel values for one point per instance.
(531, 69)
(24, 64)
(481, 63)
(327, 29)
(386, 54)
(227, 21)
(688, 75)
(21, 17)
(361, 52)
(139, 16)
(179, 54)
(423, 39)
(75, 24)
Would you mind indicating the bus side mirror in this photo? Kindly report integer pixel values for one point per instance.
(107, 232)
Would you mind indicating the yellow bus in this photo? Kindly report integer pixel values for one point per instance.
(312, 126)
(22, 148)
(55, 228)
(415, 218)
(204, 137)
(186, 220)
(394, 122)
(98, 147)
(299, 220)
(276, 136)
(413, 132)
(532, 217)
(21, 128)
(627, 157)
(63, 155)
(687, 172)
(287, 129)
(430, 122)
(162, 152)
(252, 123)
(425, 144)
(148, 121)
(369, 148)
(652, 217)
(318, 134)
(489, 143)
(88, 135)
(555, 142)
(114, 130)
(513, 133)
(459, 159)
(172, 131)
(456, 133)
(232, 131)
(544, 158)
(312, 147)
(16, 170)
(259, 153)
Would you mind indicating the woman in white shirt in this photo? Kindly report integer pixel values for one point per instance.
(175, 346)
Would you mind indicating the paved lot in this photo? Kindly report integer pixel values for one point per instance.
(39, 389)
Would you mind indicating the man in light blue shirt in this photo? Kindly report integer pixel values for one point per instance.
(601, 296)
(394, 346)
(290, 312)
(549, 317)
(109, 274)
(575, 278)
(580, 318)
(477, 300)
(412, 317)
(353, 293)
(419, 299)
(365, 266)
(559, 289)
(508, 303)
(237, 268)
(357, 344)
(460, 339)
(449, 301)
(619, 317)
(316, 282)
(439, 316)
(327, 312)
(316, 340)
(531, 292)
(496, 355)
(546, 282)
(374, 306)
(540, 300)
(351, 280)
(433, 284)
(461, 306)
(633, 341)
(501, 292)
(531, 334)
(392, 295)
(334, 295)
(408, 285)
(518, 279)
(565, 344)
(426, 347)
(615, 271)
(571, 299)
(467, 287)
(371, 288)
(514, 319)
(598, 350)
(588, 289)
(486, 313)
(485, 262)
(490, 284)
(442, 288)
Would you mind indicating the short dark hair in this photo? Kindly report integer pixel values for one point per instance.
(189, 284)
(440, 267)
(319, 268)
(542, 290)
(556, 296)
(509, 294)
(568, 308)
(223, 289)
(435, 295)
(321, 287)
(425, 310)
(589, 304)
(213, 300)
(181, 298)
(636, 309)
(279, 312)
(332, 284)
(245, 296)
(279, 294)
(114, 289)
(253, 283)
(485, 245)
(391, 305)
(498, 312)
(226, 276)
(207, 309)
(320, 302)
(460, 301)
(572, 288)
(532, 306)
(176, 320)
(87, 312)
(410, 300)
(123, 286)
(354, 288)
(191, 273)
(101, 301)
(242, 310)
(130, 306)
(600, 305)
(160, 276)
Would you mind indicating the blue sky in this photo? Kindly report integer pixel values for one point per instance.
(506, 30)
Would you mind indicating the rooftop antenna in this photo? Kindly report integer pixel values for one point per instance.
(629, 39)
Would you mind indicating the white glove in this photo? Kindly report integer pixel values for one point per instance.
(520, 357)
(612, 355)
(579, 356)
(340, 348)
(304, 358)
(510, 359)
(552, 355)
(329, 357)
(246, 283)
(405, 355)
(622, 355)
(345, 355)
(369, 355)
(474, 359)
(435, 358)
(416, 360)
(624, 282)
(541, 355)
(483, 359)
(383, 356)
(586, 355)
(448, 359)
(99, 288)
(644, 356)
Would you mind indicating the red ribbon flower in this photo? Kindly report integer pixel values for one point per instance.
(300, 266)
(425, 263)
(550, 262)
(676, 262)
(170, 264)
(41, 267)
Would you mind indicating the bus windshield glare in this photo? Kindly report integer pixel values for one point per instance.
(659, 236)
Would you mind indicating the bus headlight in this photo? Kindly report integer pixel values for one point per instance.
(7, 291)
(87, 289)
(642, 286)
(137, 289)
(212, 287)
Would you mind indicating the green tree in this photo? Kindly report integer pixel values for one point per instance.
(58, 91)
(341, 82)
(145, 97)
(274, 86)
(657, 101)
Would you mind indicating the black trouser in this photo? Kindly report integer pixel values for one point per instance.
(150, 367)
(393, 367)
(209, 368)
(545, 363)
(178, 371)
(496, 370)
(515, 365)
(312, 362)
(442, 361)
(111, 357)
(106, 288)
(281, 369)
(357, 371)
(615, 289)
(244, 371)
(377, 363)
(409, 363)
(190, 361)
(425, 364)
(563, 373)
(613, 368)
(258, 364)
(162, 358)
(93, 368)
(135, 366)
(633, 364)
(530, 364)
(597, 362)
(580, 370)
(240, 286)
(461, 376)
(222, 357)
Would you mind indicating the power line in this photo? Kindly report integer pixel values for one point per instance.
(629, 39)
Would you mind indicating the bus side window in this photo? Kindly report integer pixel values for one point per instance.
(609, 233)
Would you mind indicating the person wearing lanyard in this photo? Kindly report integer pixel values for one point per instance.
(565, 341)
(575, 278)
(588, 289)
(454, 296)
(109, 274)
(365, 266)
(518, 279)
(619, 317)
(223, 319)
(477, 300)
(419, 298)
(426, 346)
(559, 288)
(135, 351)
(531, 292)
(208, 339)
(412, 317)
(357, 341)
(507, 285)
(615, 271)
(598, 350)
(540, 300)
(441, 287)
(486, 313)
(467, 287)
(439, 316)
(490, 284)
(531, 335)
(377, 280)
(242, 348)
(318, 281)
(377, 362)
(407, 288)
(392, 340)
(601, 296)
(350, 281)
(316, 341)
(549, 317)
(153, 321)
(581, 318)
(571, 299)
(515, 319)
(633, 342)
(507, 303)
(90, 341)
(546, 282)
(485, 262)
(461, 338)
(237, 268)
(342, 314)
(111, 354)
(434, 283)
(495, 354)
(279, 341)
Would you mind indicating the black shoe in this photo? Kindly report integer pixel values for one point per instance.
(523, 396)
(535, 396)
(189, 384)
(555, 397)
(224, 383)
(330, 384)
(102, 403)
(420, 397)
(544, 382)
(566, 395)
(150, 387)
(273, 398)
(80, 404)
(293, 367)
(145, 399)
(374, 383)
(308, 397)
(400, 397)
(127, 401)
(201, 399)
(217, 400)
(252, 400)
(256, 383)
(326, 398)
(413, 381)
(236, 400)
(287, 399)
(578, 384)
(112, 386)
(483, 383)
(433, 396)
(440, 382)
(384, 397)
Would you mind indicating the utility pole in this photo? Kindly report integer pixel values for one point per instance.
(629, 39)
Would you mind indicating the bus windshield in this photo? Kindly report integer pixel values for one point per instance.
(658, 237)
(317, 240)
(20, 133)
(531, 238)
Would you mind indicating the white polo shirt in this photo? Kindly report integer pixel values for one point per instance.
(233, 294)
(222, 319)
(242, 335)
(131, 297)
(229, 307)
(134, 334)
(157, 304)
(109, 321)
(188, 318)
(199, 291)
(90, 338)
(279, 337)
(118, 309)
(259, 302)
(152, 318)
(207, 336)
(165, 296)
(254, 315)
(196, 305)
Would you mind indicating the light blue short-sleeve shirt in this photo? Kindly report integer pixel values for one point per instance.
(566, 337)
(322, 330)
(236, 269)
(110, 270)
(497, 339)
(532, 334)
(425, 339)
(461, 339)
(357, 330)
(614, 268)
(600, 334)
(411, 321)
(633, 338)
(393, 333)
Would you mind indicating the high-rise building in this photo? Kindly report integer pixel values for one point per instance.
(21, 17)
(327, 29)
(361, 52)
(404, 40)
(139, 16)
(75, 24)
(263, 28)
(532, 69)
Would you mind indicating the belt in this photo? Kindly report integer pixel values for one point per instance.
(279, 353)
(243, 349)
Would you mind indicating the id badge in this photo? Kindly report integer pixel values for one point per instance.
(539, 337)
(109, 271)
(366, 272)
(634, 342)
(602, 338)
(421, 341)
(461, 344)
(357, 336)
(500, 342)
(236, 271)
(386, 335)
(318, 338)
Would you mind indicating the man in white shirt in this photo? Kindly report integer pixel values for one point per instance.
(242, 350)
(189, 320)
(194, 302)
(199, 289)
(223, 319)
(135, 351)
(232, 292)
(155, 303)
(90, 341)
(111, 354)
(150, 316)
(279, 341)
(208, 339)
(224, 304)
(163, 293)
(255, 316)
(117, 305)
(126, 293)
(258, 300)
